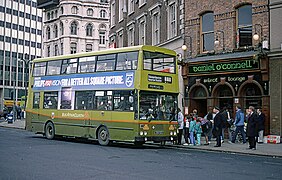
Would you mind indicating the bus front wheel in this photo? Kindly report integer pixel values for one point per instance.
(103, 136)
(50, 130)
(139, 143)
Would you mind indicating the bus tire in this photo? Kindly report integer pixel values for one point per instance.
(139, 143)
(49, 130)
(103, 136)
(163, 143)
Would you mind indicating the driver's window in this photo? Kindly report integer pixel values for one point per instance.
(157, 107)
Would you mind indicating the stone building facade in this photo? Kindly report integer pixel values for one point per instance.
(145, 22)
(74, 26)
(228, 65)
(275, 67)
(148, 22)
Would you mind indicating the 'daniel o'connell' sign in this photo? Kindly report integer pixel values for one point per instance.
(223, 66)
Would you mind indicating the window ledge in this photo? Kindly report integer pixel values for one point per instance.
(130, 13)
(141, 5)
(119, 21)
(112, 26)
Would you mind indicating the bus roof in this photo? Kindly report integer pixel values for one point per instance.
(108, 51)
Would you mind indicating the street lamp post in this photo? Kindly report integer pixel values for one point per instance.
(185, 65)
(216, 42)
(262, 44)
(256, 36)
(26, 62)
(184, 47)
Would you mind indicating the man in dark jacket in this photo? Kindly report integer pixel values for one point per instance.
(251, 128)
(260, 125)
(218, 123)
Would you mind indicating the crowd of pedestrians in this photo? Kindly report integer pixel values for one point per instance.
(10, 111)
(244, 126)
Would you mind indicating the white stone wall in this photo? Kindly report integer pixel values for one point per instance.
(82, 18)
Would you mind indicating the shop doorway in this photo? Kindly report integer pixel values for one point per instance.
(200, 105)
(223, 97)
(252, 96)
(198, 100)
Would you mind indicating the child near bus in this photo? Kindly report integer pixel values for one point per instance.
(198, 130)
(187, 120)
(192, 125)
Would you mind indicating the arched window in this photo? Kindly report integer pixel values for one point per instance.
(73, 48)
(102, 37)
(62, 28)
(56, 50)
(102, 27)
(55, 31)
(102, 34)
(62, 48)
(74, 10)
(56, 14)
(52, 15)
(251, 90)
(62, 10)
(199, 92)
(252, 94)
(207, 34)
(73, 28)
(48, 32)
(89, 12)
(103, 13)
(244, 26)
(224, 91)
(48, 51)
(89, 48)
(48, 16)
(89, 30)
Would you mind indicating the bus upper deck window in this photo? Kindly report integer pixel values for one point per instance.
(39, 69)
(156, 61)
(54, 67)
(127, 61)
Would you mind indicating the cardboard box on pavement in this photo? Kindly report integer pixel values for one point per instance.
(273, 139)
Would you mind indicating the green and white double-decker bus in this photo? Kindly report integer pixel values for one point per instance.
(124, 94)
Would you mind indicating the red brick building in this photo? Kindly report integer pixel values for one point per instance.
(225, 62)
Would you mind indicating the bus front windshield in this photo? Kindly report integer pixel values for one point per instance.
(157, 106)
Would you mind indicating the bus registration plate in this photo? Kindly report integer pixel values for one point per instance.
(159, 132)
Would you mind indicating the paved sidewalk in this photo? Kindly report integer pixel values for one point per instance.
(18, 124)
(272, 150)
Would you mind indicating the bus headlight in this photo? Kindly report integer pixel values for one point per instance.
(141, 133)
(174, 133)
(145, 133)
(145, 139)
(171, 133)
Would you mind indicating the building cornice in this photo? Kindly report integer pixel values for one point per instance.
(157, 5)
(275, 53)
(226, 56)
(144, 14)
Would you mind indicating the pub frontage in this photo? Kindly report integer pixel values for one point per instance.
(225, 81)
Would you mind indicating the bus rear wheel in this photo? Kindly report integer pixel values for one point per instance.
(103, 136)
(50, 130)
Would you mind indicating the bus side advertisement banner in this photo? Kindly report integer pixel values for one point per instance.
(97, 81)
